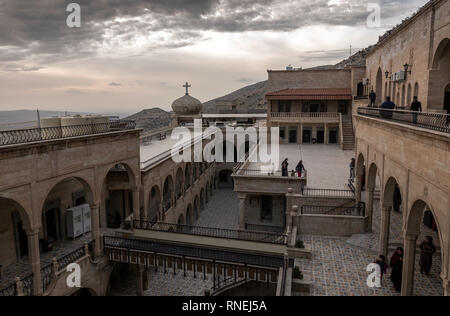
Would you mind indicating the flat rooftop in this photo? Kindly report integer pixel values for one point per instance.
(327, 165)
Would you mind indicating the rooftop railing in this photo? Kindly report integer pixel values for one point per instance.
(356, 211)
(257, 236)
(308, 115)
(432, 121)
(14, 137)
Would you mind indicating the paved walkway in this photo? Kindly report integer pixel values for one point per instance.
(222, 211)
(338, 265)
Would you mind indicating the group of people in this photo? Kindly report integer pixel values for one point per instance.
(427, 250)
(416, 106)
(300, 169)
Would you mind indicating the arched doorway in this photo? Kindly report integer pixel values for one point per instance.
(154, 205)
(408, 97)
(189, 216)
(66, 201)
(179, 184)
(13, 238)
(373, 190)
(379, 86)
(360, 177)
(196, 208)
(418, 230)
(438, 95)
(167, 194)
(225, 179)
(403, 100)
(118, 196)
(187, 176)
(392, 197)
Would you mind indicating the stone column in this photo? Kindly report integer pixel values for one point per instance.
(409, 260)
(369, 208)
(140, 281)
(446, 285)
(326, 134)
(136, 204)
(384, 230)
(242, 207)
(289, 204)
(358, 187)
(95, 217)
(35, 260)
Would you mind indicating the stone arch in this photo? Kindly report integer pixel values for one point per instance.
(168, 191)
(15, 223)
(54, 204)
(360, 176)
(188, 176)
(189, 216)
(379, 85)
(154, 205)
(408, 96)
(179, 183)
(120, 166)
(196, 210)
(389, 191)
(439, 77)
(413, 228)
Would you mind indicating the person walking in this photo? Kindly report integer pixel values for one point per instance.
(381, 261)
(284, 168)
(416, 107)
(396, 265)
(372, 98)
(300, 168)
(352, 169)
(427, 250)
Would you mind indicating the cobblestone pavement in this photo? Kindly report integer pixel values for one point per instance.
(338, 266)
(222, 211)
(165, 285)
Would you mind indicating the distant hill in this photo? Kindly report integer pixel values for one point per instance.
(248, 99)
(19, 119)
(151, 119)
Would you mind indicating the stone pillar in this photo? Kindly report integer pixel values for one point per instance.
(446, 285)
(289, 204)
(384, 230)
(326, 134)
(358, 188)
(136, 204)
(242, 207)
(140, 281)
(369, 208)
(409, 260)
(35, 260)
(95, 217)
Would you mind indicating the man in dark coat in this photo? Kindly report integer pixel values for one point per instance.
(396, 265)
(389, 105)
(416, 106)
(372, 98)
(427, 249)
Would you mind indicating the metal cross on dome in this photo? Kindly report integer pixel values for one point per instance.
(187, 86)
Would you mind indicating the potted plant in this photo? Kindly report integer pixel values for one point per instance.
(299, 244)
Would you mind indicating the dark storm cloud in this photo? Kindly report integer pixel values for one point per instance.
(32, 28)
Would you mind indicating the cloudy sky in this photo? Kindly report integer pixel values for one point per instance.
(134, 54)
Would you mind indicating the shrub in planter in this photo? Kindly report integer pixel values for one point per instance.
(299, 244)
(297, 274)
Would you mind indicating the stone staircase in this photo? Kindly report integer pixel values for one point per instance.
(349, 136)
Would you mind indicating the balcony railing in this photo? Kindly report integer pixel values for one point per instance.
(431, 121)
(335, 193)
(305, 115)
(263, 237)
(275, 174)
(14, 137)
(357, 211)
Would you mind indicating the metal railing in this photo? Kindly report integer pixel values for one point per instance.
(432, 121)
(265, 228)
(299, 115)
(271, 173)
(328, 193)
(10, 290)
(23, 136)
(256, 236)
(74, 256)
(357, 211)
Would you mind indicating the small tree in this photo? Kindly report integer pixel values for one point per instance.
(297, 273)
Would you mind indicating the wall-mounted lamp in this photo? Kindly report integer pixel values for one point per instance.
(406, 67)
